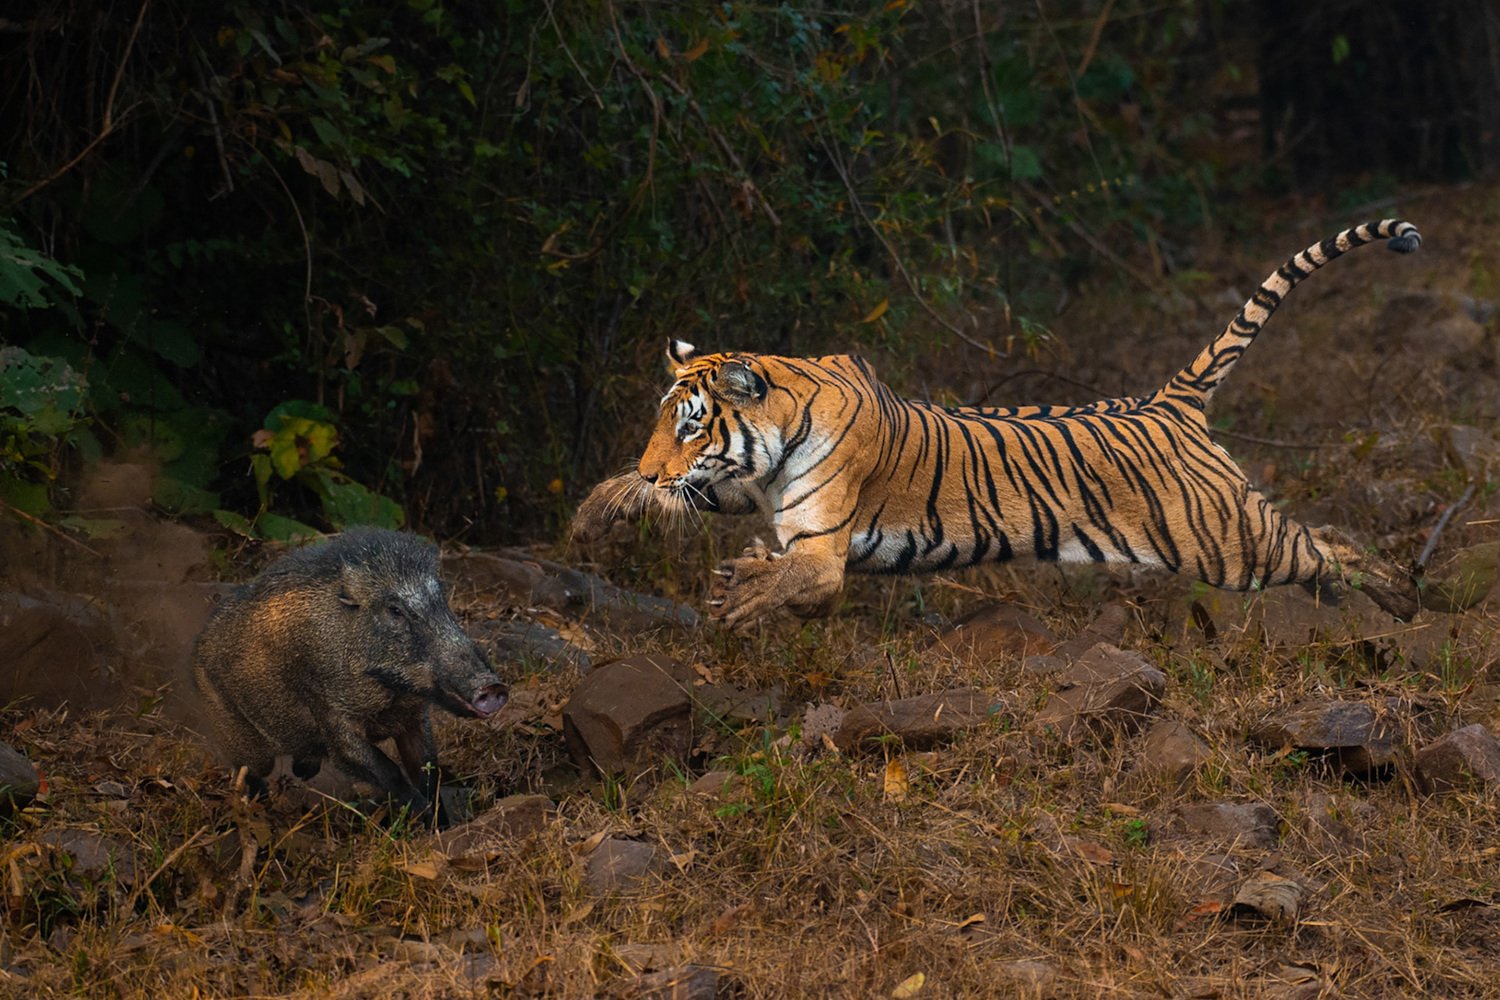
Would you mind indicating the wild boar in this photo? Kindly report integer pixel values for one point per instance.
(335, 647)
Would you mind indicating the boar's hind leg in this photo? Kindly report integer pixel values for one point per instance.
(364, 761)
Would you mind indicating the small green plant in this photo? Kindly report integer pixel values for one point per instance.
(296, 445)
(41, 402)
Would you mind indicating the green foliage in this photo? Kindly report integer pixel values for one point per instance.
(296, 444)
(41, 397)
(465, 229)
(30, 279)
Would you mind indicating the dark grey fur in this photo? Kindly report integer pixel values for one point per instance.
(335, 647)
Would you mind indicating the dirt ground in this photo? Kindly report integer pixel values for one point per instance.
(1011, 859)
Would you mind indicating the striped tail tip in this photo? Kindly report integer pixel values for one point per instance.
(1406, 238)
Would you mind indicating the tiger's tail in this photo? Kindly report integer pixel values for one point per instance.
(1201, 377)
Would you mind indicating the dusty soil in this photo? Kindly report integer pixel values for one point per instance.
(1014, 857)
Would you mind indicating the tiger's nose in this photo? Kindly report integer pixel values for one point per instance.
(649, 477)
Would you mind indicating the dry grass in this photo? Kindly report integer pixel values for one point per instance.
(1016, 865)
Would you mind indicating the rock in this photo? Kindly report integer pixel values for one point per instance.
(1463, 579)
(494, 832)
(1362, 737)
(819, 724)
(628, 715)
(618, 864)
(1332, 822)
(1471, 449)
(1105, 687)
(1108, 626)
(1045, 665)
(687, 982)
(94, 855)
(19, 781)
(995, 633)
(56, 648)
(1447, 338)
(530, 643)
(1290, 616)
(1248, 824)
(520, 579)
(918, 722)
(728, 705)
(724, 785)
(1465, 758)
(1030, 975)
(1171, 752)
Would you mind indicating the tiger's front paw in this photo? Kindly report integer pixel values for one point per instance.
(747, 589)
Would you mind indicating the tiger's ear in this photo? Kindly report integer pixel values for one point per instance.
(679, 353)
(738, 383)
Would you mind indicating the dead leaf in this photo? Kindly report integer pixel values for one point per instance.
(696, 52)
(896, 783)
(877, 312)
(910, 986)
(577, 913)
(585, 847)
(725, 921)
(1089, 851)
(1465, 903)
(429, 869)
(1269, 895)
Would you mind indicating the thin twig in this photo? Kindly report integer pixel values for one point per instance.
(1041, 201)
(52, 528)
(107, 123)
(1432, 539)
(213, 118)
(307, 251)
(911, 283)
(171, 859)
(1268, 442)
(724, 147)
(1093, 45)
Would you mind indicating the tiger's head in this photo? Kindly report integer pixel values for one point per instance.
(712, 426)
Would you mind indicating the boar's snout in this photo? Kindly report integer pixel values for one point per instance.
(490, 699)
(466, 683)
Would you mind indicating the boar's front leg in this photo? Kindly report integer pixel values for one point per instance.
(417, 748)
(363, 760)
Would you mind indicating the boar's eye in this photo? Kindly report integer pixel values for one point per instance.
(395, 612)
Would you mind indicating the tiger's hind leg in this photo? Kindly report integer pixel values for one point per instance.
(1345, 564)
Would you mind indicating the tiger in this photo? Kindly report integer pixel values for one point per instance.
(854, 478)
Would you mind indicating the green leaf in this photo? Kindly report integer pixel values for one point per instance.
(286, 458)
(25, 274)
(25, 496)
(284, 529)
(347, 503)
(237, 523)
(178, 497)
(93, 527)
(1024, 165)
(43, 389)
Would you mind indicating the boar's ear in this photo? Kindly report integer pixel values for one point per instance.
(738, 383)
(351, 587)
(679, 353)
